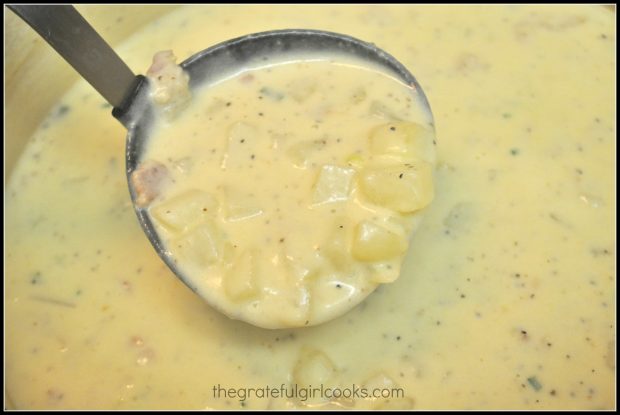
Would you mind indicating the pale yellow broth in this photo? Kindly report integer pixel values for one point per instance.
(506, 298)
(289, 192)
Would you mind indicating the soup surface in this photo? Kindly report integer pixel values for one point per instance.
(506, 297)
(286, 194)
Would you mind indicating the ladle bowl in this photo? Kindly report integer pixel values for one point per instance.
(80, 45)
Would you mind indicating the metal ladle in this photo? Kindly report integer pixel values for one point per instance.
(82, 47)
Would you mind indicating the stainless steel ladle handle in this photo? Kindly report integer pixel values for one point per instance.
(80, 45)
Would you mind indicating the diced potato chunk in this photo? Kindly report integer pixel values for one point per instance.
(373, 242)
(333, 292)
(336, 248)
(184, 211)
(385, 272)
(328, 292)
(313, 368)
(243, 143)
(290, 298)
(405, 187)
(201, 247)
(333, 184)
(240, 280)
(355, 160)
(300, 153)
(299, 267)
(229, 254)
(383, 383)
(240, 205)
(288, 292)
(238, 211)
(337, 251)
(380, 381)
(405, 140)
(379, 109)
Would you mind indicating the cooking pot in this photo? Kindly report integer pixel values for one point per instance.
(36, 77)
(31, 64)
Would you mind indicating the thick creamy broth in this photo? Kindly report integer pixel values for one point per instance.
(287, 193)
(506, 299)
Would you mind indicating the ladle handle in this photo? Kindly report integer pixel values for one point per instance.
(80, 45)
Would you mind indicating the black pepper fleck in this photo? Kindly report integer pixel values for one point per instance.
(36, 278)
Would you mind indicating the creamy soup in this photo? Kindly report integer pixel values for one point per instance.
(286, 194)
(506, 295)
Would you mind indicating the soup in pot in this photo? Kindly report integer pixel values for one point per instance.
(505, 297)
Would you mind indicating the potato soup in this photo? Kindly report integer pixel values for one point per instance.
(506, 297)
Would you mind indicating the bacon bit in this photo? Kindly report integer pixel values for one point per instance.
(160, 61)
(169, 84)
(147, 180)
